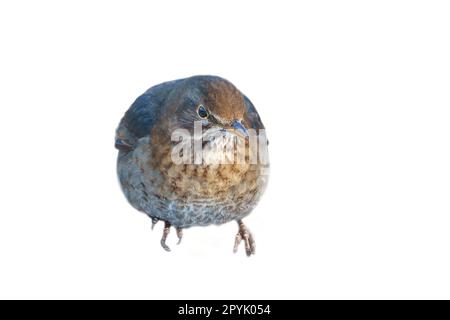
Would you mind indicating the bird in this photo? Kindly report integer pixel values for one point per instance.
(198, 190)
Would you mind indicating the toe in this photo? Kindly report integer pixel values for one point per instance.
(252, 244)
(237, 240)
(179, 235)
(248, 248)
(154, 222)
(165, 246)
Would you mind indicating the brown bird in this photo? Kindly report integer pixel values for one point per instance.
(173, 173)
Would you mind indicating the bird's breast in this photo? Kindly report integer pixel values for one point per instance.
(188, 194)
(209, 181)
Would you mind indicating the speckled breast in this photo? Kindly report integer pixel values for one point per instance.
(188, 194)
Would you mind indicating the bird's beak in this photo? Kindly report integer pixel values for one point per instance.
(239, 129)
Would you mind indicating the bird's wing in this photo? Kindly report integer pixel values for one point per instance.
(142, 115)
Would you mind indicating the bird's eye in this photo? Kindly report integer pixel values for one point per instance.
(202, 112)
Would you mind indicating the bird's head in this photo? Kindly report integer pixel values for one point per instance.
(212, 101)
(213, 114)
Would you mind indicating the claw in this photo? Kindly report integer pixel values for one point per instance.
(154, 222)
(179, 235)
(164, 237)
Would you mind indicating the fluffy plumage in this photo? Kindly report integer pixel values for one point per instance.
(185, 195)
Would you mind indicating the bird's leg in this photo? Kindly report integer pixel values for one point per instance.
(165, 234)
(154, 222)
(244, 234)
(179, 235)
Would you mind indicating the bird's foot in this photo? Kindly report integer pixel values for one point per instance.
(164, 236)
(244, 234)
(166, 232)
(154, 222)
(179, 235)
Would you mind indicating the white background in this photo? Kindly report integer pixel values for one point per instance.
(355, 98)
